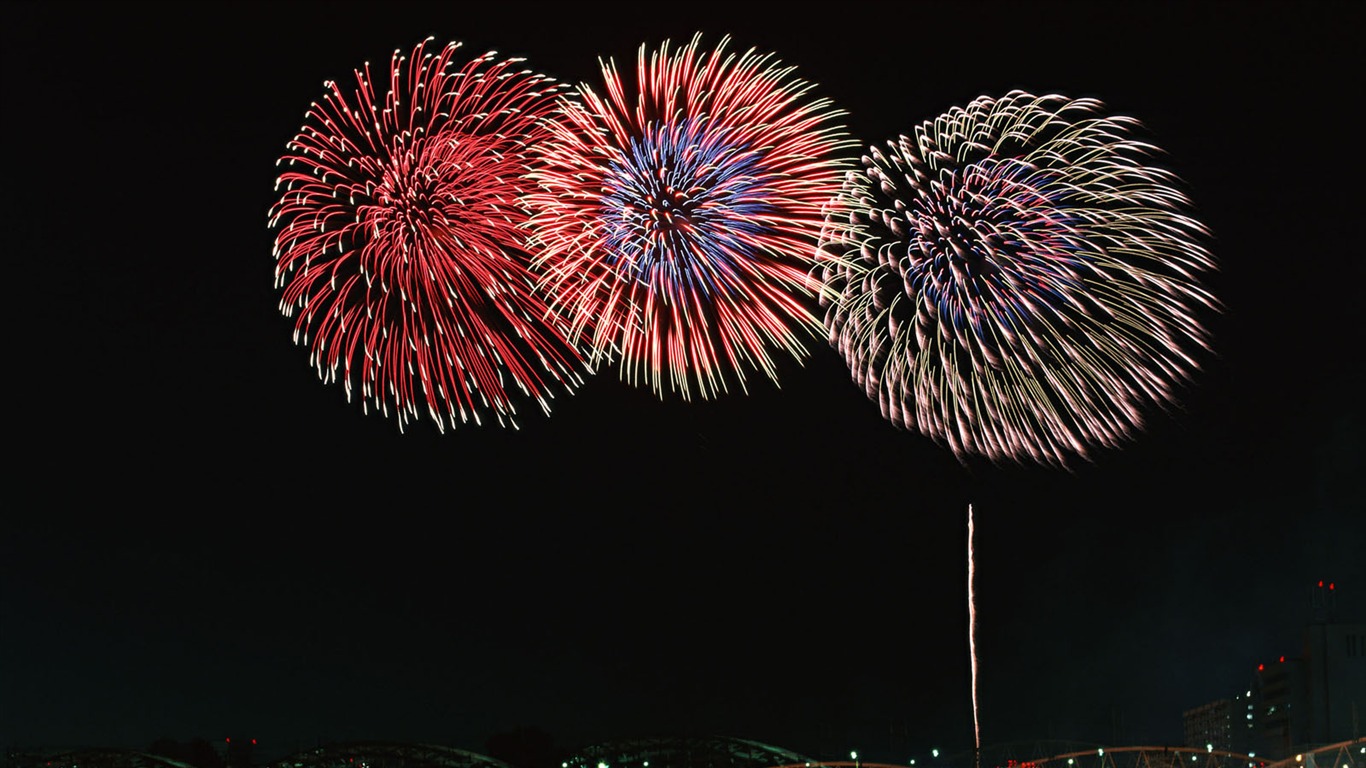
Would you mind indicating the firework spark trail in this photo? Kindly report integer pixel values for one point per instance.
(399, 243)
(676, 218)
(1015, 280)
(972, 640)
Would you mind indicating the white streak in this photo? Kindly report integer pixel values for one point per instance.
(972, 644)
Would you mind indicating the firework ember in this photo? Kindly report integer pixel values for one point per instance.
(1016, 280)
(400, 247)
(676, 217)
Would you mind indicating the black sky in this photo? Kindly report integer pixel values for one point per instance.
(203, 539)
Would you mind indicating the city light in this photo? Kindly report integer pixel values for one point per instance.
(934, 753)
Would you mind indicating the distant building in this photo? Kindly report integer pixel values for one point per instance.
(1226, 725)
(1281, 703)
(238, 752)
(1335, 672)
(1319, 697)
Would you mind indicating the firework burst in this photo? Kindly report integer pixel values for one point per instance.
(399, 242)
(1015, 279)
(675, 219)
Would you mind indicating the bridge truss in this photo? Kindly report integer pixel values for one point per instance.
(684, 752)
(91, 758)
(379, 754)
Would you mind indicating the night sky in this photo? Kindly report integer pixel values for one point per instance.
(204, 540)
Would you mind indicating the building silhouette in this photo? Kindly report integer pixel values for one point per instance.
(1318, 697)
(1295, 701)
(1225, 724)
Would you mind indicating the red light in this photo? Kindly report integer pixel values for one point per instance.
(228, 740)
(1330, 586)
(1261, 667)
(1282, 659)
(253, 741)
(1320, 583)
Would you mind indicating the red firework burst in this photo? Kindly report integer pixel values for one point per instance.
(675, 220)
(400, 245)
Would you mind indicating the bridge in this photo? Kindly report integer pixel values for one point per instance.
(717, 752)
(1347, 754)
